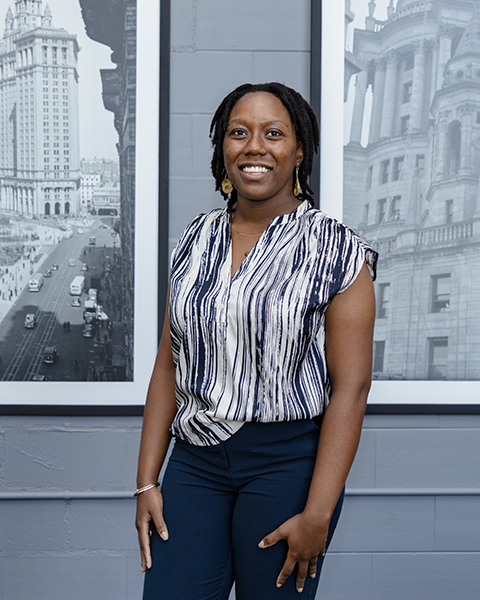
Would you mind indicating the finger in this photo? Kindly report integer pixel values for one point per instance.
(301, 575)
(285, 573)
(144, 542)
(271, 539)
(312, 567)
(161, 527)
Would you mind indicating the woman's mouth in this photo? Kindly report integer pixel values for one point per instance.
(255, 170)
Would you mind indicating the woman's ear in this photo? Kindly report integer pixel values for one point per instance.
(299, 153)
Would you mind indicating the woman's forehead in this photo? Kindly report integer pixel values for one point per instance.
(262, 105)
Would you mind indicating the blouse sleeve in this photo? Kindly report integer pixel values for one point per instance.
(354, 252)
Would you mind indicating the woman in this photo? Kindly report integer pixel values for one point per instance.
(270, 319)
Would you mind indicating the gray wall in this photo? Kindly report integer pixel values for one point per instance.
(410, 527)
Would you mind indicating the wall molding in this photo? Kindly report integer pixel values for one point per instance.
(123, 495)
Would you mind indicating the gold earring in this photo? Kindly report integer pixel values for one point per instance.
(297, 188)
(227, 186)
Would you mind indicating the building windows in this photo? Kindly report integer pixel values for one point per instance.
(437, 359)
(366, 210)
(378, 356)
(440, 293)
(395, 208)
(453, 148)
(383, 299)
(381, 207)
(397, 168)
(407, 92)
(449, 212)
(369, 178)
(384, 171)
(408, 61)
(420, 164)
(404, 124)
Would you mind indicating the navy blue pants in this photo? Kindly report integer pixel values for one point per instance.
(220, 501)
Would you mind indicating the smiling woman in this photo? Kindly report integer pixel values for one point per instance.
(262, 372)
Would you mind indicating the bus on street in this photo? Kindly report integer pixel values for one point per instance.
(35, 283)
(77, 285)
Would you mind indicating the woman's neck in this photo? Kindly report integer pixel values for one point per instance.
(262, 212)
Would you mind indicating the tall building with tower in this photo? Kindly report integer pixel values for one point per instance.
(39, 128)
(411, 184)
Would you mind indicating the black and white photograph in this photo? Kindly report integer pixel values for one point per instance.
(411, 179)
(67, 190)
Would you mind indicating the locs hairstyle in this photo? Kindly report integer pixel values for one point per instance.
(303, 119)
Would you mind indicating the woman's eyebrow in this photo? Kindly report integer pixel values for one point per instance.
(266, 122)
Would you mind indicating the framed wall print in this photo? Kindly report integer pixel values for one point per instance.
(410, 88)
(79, 122)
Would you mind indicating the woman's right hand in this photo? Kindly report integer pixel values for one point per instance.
(149, 508)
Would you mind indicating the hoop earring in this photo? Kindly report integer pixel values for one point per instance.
(227, 186)
(297, 189)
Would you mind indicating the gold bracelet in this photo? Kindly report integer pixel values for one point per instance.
(146, 488)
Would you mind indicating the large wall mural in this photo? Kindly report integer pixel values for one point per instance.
(411, 182)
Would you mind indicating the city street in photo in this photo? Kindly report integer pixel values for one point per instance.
(67, 190)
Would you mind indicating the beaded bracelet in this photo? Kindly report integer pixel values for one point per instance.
(146, 488)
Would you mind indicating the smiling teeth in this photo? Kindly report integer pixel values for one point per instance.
(256, 169)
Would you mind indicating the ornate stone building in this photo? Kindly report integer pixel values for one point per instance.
(412, 184)
(113, 23)
(39, 147)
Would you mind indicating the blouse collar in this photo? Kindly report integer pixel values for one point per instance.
(283, 219)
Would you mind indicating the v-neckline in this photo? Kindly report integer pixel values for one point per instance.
(249, 254)
(278, 220)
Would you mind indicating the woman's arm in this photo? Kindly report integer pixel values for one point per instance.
(159, 413)
(349, 336)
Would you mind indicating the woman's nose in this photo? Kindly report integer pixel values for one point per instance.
(255, 144)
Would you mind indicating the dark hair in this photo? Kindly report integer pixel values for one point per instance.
(303, 119)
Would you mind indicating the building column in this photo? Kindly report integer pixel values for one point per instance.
(433, 83)
(358, 107)
(386, 129)
(444, 51)
(418, 86)
(441, 144)
(378, 92)
(466, 120)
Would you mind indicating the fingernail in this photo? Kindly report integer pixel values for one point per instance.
(279, 585)
(164, 535)
(300, 590)
(261, 544)
(313, 576)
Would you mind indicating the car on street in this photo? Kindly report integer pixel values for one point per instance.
(39, 378)
(50, 355)
(88, 330)
(80, 231)
(76, 302)
(30, 320)
(71, 262)
(54, 267)
(84, 267)
(48, 273)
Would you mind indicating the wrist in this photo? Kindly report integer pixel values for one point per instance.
(146, 488)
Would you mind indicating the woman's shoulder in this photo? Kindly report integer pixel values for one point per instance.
(203, 221)
(318, 220)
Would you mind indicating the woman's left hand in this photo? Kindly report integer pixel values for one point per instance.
(306, 541)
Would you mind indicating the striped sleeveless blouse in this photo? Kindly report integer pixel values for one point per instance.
(252, 347)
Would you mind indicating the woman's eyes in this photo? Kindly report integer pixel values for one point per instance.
(242, 133)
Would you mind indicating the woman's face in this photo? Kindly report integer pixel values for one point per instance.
(260, 149)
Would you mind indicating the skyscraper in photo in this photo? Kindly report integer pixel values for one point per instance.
(411, 185)
(39, 124)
